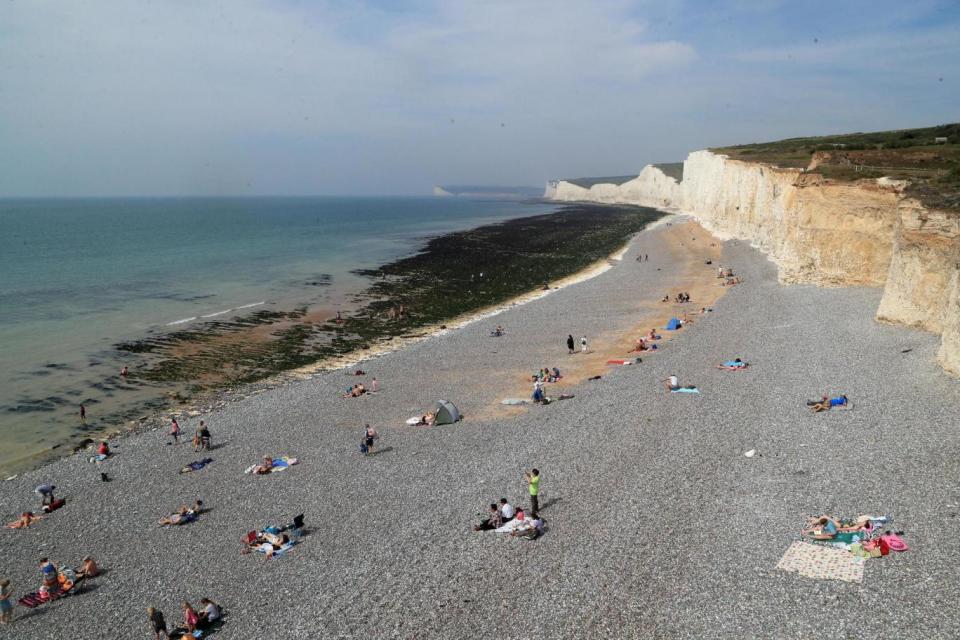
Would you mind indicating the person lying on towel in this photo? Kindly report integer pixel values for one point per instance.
(264, 467)
(25, 520)
(826, 403)
(269, 543)
(736, 363)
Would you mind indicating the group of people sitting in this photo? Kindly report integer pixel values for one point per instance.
(209, 616)
(504, 518)
(642, 344)
(183, 515)
(58, 581)
(546, 375)
(825, 403)
(496, 333)
(355, 391)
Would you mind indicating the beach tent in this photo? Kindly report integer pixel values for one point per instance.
(446, 412)
(673, 325)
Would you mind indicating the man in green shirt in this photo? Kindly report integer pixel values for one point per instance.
(533, 479)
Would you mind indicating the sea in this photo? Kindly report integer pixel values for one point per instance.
(78, 276)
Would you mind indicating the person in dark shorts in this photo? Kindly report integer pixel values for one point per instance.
(369, 436)
(157, 623)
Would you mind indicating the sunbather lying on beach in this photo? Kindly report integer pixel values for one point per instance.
(826, 404)
(196, 466)
(25, 520)
(264, 467)
(496, 333)
(733, 365)
(825, 527)
(268, 543)
(653, 335)
(183, 515)
(641, 345)
(427, 420)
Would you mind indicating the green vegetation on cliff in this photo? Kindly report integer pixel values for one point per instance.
(928, 157)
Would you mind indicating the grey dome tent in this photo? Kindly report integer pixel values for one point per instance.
(446, 413)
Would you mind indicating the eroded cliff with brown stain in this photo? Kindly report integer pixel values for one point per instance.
(829, 233)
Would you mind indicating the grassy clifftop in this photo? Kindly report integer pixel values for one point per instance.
(931, 165)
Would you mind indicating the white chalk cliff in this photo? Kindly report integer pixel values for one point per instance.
(817, 231)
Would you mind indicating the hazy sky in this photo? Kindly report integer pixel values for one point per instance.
(243, 97)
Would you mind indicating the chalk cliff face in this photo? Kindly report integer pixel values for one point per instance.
(819, 231)
(652, 188)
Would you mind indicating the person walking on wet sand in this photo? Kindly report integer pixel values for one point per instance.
(533, 480)
(570, 343)
(583, 344)
(83, 414)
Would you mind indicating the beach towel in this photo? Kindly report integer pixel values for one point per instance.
(822, 563)
(35, 599)
(685, 390)
(414, 421)
(507, 401)
(619, 362)
(100, 457)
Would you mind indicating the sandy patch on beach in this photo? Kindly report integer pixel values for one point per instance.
(689, 247)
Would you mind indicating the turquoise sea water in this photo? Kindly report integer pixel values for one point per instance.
(78, 276)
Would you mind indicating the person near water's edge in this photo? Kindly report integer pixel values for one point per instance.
(533, 479)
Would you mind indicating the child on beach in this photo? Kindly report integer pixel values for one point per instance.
(190, 617)
(175, 430)
(369, 435)
(157, 623)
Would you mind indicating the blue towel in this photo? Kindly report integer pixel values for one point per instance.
(685, 390)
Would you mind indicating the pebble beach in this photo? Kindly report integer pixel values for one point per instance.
(657, 525)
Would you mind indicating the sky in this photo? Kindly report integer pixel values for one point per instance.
(286, 97)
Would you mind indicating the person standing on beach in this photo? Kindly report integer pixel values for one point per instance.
(374, 385)
(369, 435)
(83, 414)
(158, 623)
(175, 429)
(583, 344)
(533, 480)
(570, 343)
